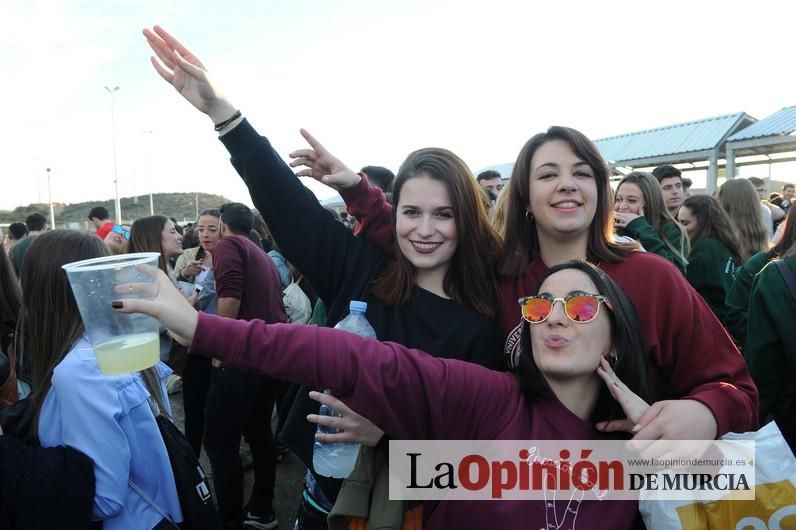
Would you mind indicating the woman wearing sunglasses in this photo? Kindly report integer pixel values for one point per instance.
(118, 239)
(582, 361)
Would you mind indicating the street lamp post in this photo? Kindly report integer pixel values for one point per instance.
(117, 204)
(50, 198)
(148, 136)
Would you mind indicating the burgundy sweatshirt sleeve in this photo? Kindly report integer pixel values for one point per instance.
(373, 213)
(407, 393)
(228, 266)
(694, 356)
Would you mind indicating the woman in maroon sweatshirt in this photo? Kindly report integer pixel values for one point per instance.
(564, 383)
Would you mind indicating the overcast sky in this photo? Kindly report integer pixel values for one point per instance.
(373, 80)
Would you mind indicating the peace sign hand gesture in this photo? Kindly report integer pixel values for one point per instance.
(322, 165)
(633, 406)
(185, 72)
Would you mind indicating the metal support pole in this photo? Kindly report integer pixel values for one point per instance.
(117, 203)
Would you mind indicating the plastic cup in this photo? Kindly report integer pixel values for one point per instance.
(123, 343)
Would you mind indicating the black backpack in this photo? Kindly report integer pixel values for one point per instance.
(198, 510)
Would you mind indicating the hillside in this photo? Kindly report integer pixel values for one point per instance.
(179, 205)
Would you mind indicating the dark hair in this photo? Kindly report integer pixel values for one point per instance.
(255, 238)
(470, 279)
(238, 218)
(521, 246)
(381, 177)
(177, 226)
(756, 181)
(189, 238)
(146, 235)
(17, 230)
(788, 237)
(10, 295)
(100, 212)
(267, 240)
(687, 182)
(788, 185)
(713, 221)
(666, 171)
(51, 322)
(628, 342)
(489, 174)
(35, 222)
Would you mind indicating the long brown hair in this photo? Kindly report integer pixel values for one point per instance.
(739, 199)
(51, 322)
(655, 211)
(146, 235)
(521, 246)
(714, 222)
(470, 279)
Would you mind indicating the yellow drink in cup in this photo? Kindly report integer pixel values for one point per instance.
(123, 343)
(125, 354)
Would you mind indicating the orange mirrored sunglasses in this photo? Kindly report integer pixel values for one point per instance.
(580, 307)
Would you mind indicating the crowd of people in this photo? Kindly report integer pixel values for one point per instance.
(673, 323)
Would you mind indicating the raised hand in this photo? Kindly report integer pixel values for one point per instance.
(633, 406)
(322, 165)
(185, 72)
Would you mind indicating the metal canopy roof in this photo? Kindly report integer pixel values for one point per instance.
(690, 140)
(781, 123)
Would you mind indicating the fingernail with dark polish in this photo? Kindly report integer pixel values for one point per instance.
(117, 304)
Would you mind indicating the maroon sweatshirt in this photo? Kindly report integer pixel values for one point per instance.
(692, 354)
(413, 395)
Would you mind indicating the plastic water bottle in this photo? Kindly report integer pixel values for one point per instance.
(337, 460)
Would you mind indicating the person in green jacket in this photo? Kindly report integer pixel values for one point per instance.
(715, 250)
(642, 215)
(770, 351)
(738, 297)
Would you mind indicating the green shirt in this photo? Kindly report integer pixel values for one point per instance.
(641, 230)
(711, 271)
(770, 351)
(738, 296)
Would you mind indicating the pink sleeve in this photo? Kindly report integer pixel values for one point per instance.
(373, 213)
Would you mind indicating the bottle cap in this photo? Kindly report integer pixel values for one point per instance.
(358, 305)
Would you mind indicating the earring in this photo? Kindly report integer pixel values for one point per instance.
(612, 358)
(528, 216)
